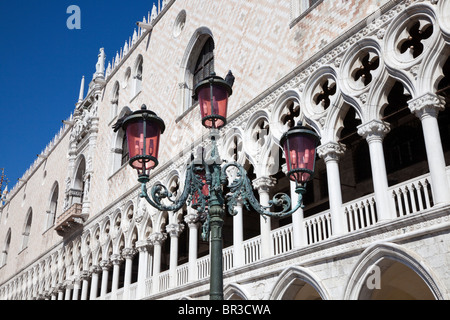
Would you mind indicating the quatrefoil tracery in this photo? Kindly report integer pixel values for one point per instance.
(368, 63)
(412, 39)
(324, 92)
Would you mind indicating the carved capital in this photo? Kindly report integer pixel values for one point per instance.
(264, 183)
(105, 264)
(427, 105)
(191, 220)
(374, 130)
(157, 238)
(174, 229)
(331, 151)
(143, 245)
(116, 259)
(128, 253)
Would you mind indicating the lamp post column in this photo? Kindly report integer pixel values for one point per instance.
(426, 108)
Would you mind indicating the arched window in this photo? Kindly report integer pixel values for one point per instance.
(138, 75)
(4, 255)
(205, 62)
(27, 229)
(51, 213)
(197, 63)
(119, 149)
(115, 100)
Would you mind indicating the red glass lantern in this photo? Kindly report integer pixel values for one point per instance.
(143, 129)
(299, 145)
(212, 94)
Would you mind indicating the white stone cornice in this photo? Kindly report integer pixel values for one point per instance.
(331, 151)
(374, 130)
(427, 105)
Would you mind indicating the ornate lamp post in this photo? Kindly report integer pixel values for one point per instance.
(205, 179)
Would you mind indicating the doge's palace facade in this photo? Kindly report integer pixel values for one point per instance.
(372, 78)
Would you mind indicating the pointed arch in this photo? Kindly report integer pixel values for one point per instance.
(27, 228)
(201, 37)
(381, 257)
(294, 282)
(5, 249)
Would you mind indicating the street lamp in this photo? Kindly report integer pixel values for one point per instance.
(205, 179)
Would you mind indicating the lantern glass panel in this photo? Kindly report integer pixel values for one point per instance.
(300, 153)
(215, 117)
(143, 145)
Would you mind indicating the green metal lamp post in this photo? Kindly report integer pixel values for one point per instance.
(205, 179)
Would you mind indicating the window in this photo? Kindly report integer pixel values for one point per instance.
(115, 100)
(138, 75)
(125, 154)
(27, 228)
(205, 63)
(197, 64)
(51, 213)
(299, 8)
(4, 254)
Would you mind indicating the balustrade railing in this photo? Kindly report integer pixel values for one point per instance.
(409, 197)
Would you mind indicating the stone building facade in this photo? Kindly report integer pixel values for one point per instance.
(370, 77)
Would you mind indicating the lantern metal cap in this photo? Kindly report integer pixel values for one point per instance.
(147, 115)
(212, 79)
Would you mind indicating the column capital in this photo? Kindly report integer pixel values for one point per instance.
(191, 219)
(143, 245)
(374, 130)
(174, 229)
(95, 269)
(85, 275)
(105, 264)
(264, 183)
(331, 151)
(427, 105)
(116, 259)
(128, 253)
(157, 238)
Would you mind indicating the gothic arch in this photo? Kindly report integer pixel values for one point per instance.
(235, 292)
(382, 255)
(292, 280)
(193, 49)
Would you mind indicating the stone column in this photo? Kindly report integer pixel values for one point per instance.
(174, 230)
(76, 288)
(105, 265)
(68, 285)
(156, 239)
(331, 152)
(116, 260)
(191, 220)
(374, 132)
(238, 235)
(263, 185)
(85, 275)
(427, 108)
(143, 247)
(94, 282)
(128, 254)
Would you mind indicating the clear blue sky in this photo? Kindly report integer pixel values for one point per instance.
(42, 63)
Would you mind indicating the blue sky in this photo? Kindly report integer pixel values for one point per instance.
(42, 63)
